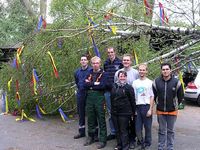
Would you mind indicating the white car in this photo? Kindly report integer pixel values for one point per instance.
(192, 91)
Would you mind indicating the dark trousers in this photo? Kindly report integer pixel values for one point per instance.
(81, 103)
(95, 108)
(143, 121)
(121, 127)
(132, 132)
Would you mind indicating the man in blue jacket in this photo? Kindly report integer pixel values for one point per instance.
(80, 75)
(111, 65)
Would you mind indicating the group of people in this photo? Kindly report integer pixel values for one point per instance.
(129, 97)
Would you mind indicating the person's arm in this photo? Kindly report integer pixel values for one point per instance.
(116, 76)
(154, 90)
(132, 98)
(180, 92)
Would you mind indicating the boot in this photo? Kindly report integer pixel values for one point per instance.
(89, 141)
(101, 145)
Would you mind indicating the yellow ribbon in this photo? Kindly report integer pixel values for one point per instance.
(9, 83)
(135, 57)
(114, 29)
(181, 79)
(23, 115)
(19, 50)
(43, 112)
(53, 63)
(34, 84)
(63, 119)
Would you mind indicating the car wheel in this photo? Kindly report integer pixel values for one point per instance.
(198, 100)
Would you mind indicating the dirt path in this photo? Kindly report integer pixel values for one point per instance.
(52, 134)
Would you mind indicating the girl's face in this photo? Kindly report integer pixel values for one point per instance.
(122, 78)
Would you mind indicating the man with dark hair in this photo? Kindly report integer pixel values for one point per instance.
(168, 94)
(79, 76)
(111, 65)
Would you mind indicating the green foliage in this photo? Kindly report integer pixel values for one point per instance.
(69, 28)
(15, 24)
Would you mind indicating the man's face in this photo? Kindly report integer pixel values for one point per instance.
(126, 61)
(84, 61)
(96, 65)
(166, 71)
(111, 53)
(142, 71)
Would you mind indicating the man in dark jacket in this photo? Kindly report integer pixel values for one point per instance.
(111, 65)
(95, 84)
(79, 76)
(168, 94)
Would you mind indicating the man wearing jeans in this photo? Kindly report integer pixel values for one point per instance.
(168, 94)
(144, 106)
(111, 65)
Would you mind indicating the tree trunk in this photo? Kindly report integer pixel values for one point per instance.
(27, 5)
(43, 8)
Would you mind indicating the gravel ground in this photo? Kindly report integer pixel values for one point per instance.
(52, 134)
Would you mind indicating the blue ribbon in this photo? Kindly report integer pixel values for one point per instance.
(63, 114)
(39, 24)
(96, 50)
(38, 112)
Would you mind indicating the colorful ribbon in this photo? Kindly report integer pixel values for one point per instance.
(135, 57)
(35, 79)
(19, 50)
(53, 64)
(147, 8)
(163, 17)
(9, 83)
(38, 112)
(96, 50)
(63, 116)
(18, 98)
(23, 115)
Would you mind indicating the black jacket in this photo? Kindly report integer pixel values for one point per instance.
(122, 100)
(167, 94)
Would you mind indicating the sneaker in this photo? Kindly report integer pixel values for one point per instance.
(147, 147)
(118, 148)
(110, 137)
(79, 136)
(101, 145)
(132, 146)
(89, 141)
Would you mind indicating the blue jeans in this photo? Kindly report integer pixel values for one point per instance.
(108, 105)
(143, 120)
(166, 131)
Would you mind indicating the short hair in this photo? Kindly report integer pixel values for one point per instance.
(166, 64)
(95, 58)
(110, 48)
(122, 72)
(128, 55)
(84, 55)
(143, 64)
